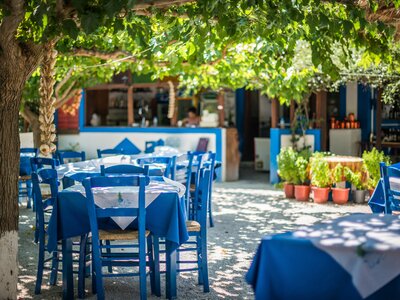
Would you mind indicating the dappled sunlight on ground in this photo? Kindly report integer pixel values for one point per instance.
(243, 213)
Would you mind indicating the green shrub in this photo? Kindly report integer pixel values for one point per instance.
(287, 169)
(302, 169)
(320, 172)
(337, 173)
(354, 178)
(371, 162)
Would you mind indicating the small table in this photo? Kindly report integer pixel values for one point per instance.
(352, 257)
(352, 162)
(165, 217)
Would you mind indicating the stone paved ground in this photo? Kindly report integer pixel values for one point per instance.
(244, 212)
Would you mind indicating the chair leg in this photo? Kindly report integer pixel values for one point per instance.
(98, 287)
(39, 275)
(142, 272)
(156, 250)
(108, 250)
(82, 266)
(54, 268)
(204, 264)
(29, 193)
(210, 216)
(198, 256)
(151, 263)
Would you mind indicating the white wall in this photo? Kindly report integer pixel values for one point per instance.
(91, 141)
(351, 98)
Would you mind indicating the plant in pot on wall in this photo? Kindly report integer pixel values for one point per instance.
(302, 188)
(287, 170)
(356, 179)
(371, 163)
(320, 178)
(340, 194)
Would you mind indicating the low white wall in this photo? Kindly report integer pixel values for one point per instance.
(91, 141)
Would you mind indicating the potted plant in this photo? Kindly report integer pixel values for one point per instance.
(302, 189)
(355, 178)
(339, 195)
(320, 179)
(371, 163)
(287, 170)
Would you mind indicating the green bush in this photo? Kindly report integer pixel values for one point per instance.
(302, 169)
(287, 169)
(371, 162)
(320, 172)
(354, 178)
(337, 173)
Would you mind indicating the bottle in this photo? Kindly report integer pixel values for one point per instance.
(155, 122)
(282, 123)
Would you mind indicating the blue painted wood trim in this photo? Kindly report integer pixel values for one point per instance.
(82, 111)
(342, 97)
(275, 148)
(364, 110)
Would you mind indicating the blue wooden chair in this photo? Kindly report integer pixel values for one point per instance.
(151, 145)
(100, 254)
(25, 170)
(391, 192)
(169, 162)
(123, 169)
(66, 156)
(109, 152)
(43, 211)
(197, 230)
(44, 162)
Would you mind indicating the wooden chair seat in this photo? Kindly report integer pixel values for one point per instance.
(115, 234)
(25, 177)
(193, 226)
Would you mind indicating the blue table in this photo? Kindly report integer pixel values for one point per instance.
(377, 200)
(341, 259)
(165, 217)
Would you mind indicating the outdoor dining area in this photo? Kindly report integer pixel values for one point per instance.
(160, 201)
(200, 149)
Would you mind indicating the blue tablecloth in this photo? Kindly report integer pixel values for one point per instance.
(377, 200)
(165, 217)
(288, 266)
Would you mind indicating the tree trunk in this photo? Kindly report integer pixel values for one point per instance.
(10, 97)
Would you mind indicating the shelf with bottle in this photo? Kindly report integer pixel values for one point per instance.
(348, 122)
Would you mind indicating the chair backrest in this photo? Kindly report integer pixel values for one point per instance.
(151, 145)
(391, 191)
(200, 202)
(169, 162)
(42, 162)
(96, 213)
(102, 152)
(41, 178)
(26, 154)
(68, 155)
(124, 169)
(33, 151)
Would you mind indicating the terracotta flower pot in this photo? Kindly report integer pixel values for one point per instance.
(288, 188)
(340, 196)
(302, 192)
(321, 195)
(371, 191)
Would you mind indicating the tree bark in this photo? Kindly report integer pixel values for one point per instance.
(10, 96)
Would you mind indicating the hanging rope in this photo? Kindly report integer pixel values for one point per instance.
(47, 110)
(171, 106)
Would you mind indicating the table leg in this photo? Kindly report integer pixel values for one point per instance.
(170, 271)
(68, 279)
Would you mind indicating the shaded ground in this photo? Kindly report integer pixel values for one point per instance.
(244, 212)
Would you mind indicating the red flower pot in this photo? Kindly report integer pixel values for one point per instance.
(321, 195)
(340, 196)
(288, 188)
(302, 192)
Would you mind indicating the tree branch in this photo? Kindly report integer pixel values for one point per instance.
(63, 82)
(102, 55)
(29, 115)
(142, 5)
(10, 22)
(65, 96)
